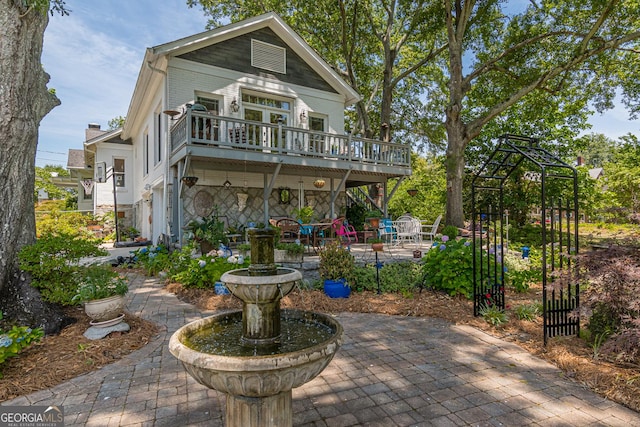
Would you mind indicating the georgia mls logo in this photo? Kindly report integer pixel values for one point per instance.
(31, 416)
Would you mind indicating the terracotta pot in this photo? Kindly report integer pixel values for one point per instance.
(375, 222)
(378, 247)
(104, 309)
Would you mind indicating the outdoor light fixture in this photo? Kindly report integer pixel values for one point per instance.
(234, 106)
(227, 183)
(303, 117)
(412, 192)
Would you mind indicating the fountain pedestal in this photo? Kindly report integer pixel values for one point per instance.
(257, 377)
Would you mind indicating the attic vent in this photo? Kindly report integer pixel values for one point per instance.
(268, 57)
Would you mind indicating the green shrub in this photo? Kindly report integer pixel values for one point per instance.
(528, 311)
(603, 322)
(53, 263)
(291, 248)
(394, 277)
(365, 279)
(521, 273)
(451, 231)
(68, 223)
(448, 266)
(16, 339)
(494, 315)
(205, 271)
(153, 259)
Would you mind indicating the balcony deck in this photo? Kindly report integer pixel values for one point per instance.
(203, 135)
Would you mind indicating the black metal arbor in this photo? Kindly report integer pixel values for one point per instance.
(559, 226)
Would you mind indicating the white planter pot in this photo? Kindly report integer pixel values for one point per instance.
(104, 309)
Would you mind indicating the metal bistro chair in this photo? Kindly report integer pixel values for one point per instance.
(408, 229)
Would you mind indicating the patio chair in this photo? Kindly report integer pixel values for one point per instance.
(408, 230)
(322, 234)
(306, 233)
(344, 231)
(289, 230)
(387, 231)
(430, 230)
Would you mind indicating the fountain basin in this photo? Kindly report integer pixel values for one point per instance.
(258, 289)
(256, 376)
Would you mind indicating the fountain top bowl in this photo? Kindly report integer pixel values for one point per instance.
(241, 276)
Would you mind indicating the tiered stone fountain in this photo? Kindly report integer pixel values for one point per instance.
(258, 355)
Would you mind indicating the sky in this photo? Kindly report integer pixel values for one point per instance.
(94, 55)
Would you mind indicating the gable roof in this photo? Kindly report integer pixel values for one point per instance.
(155, 61)
(596, 173)
(75, 159)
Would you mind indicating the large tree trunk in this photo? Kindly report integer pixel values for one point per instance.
(455, 177)
(456, 130)
(24, 101)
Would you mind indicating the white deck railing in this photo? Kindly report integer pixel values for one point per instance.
(196, 127)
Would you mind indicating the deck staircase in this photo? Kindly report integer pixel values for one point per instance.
(360, 196)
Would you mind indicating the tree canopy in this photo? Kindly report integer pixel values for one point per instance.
(436, 73)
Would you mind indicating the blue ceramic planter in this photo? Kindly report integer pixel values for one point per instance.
(336, 288)
(221, 289)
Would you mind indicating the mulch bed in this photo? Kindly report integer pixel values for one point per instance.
(58, 358)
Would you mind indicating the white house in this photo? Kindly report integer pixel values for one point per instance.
(246, 119)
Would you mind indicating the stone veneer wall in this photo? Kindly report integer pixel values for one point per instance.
(227, 202)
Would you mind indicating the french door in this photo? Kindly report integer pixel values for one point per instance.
(259, 108)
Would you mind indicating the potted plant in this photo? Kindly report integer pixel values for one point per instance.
(209, 232)
(102, 290)
(304, 214)
(373, 218)
(376, 244)
(288, 252)
(337, 267)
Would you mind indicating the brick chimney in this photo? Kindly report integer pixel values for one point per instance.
(580, 161)
(92, 131)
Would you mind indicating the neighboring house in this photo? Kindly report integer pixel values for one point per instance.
(246, 119)
(596, 173)
(81, 172)
(111, 158)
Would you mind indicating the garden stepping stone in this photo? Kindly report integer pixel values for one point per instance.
(96, 333)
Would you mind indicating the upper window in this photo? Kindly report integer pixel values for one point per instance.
(268, 57)
(212, 105)
(145, 152)
(267, 102)
(118, 172)
(157, 151)
(316, 123)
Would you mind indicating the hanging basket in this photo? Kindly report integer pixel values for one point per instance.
(319, 183)
(189, 181)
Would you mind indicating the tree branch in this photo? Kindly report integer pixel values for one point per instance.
(475, 126)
